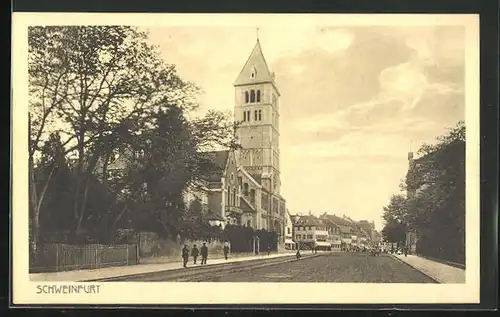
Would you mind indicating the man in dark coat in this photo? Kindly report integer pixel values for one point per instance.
(226, 250)
(185, 255)
(204, 253)
(194, 253)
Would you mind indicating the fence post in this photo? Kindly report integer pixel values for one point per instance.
(57, 257)
(128, 246)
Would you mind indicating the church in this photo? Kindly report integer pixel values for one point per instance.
(247, 190)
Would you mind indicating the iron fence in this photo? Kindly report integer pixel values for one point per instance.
(65, 257)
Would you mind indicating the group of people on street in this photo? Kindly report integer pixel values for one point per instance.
(203, 252)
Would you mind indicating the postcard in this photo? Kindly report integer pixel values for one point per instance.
(245, 159)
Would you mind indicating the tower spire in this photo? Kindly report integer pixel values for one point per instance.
(257, 34)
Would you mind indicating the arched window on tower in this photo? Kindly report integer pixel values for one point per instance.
(255, 115)
(258, 95)
(252, 95)
(246, 96)
(252, 196)
(245, 189)
(260, 115)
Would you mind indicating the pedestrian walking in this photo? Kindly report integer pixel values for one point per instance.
(194, 253)
(226, 250)
(185, 255)
(268, 250)
(204, 253)
(298, 255)
(405, 251)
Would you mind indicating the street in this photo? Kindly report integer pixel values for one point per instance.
(338, 267)
(331, 267)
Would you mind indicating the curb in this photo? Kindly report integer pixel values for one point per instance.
(449, 263)
(194, 270)
(415, 268)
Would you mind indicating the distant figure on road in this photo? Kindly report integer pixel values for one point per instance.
(405, 250)
(185, 255)
(226, 250)
(298, 255)
(194, 253)
(204, 253)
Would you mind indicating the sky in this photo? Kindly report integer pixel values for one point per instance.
(354, 101)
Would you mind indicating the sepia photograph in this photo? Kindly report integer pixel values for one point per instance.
(171, 154)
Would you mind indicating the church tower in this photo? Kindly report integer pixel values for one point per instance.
(257, 112)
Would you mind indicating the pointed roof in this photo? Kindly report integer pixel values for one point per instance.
(256, 63)
(219, 159)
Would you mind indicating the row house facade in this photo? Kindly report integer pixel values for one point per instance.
(310, 232)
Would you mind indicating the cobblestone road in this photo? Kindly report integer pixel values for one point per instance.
(331, 267)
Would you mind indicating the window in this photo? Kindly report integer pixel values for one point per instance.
(309, 228)
(255, 115)
(297, 236)
(245, 189)
(252, 95)
(309, 236)
(260, 115)
(258, 95)
(249, 223)
(248, 115)
(288, 230)
(244, 116)
(252, 196)
(246, 97)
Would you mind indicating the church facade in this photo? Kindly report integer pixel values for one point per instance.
(248, 189)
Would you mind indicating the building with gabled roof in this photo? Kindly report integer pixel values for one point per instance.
(246, 191)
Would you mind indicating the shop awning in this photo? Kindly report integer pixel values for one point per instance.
(323, 244)
(289, 241)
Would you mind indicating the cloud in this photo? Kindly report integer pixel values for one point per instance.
(352, 100)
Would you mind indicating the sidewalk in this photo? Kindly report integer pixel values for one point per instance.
(109, 272)
(442, 273)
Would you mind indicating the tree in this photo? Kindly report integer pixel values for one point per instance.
(396, 219)
(436, 206)
(112, 100)
(97, 86)
(456, 133)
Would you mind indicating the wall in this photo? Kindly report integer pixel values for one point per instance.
(214, 202)
(231, 184)
(301, 230)
(151, 246)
